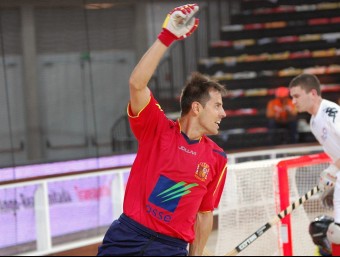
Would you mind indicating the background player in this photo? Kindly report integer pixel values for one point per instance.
(178, 175)
(305, 90)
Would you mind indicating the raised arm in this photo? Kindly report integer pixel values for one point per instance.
(178, 25)
(141, 75)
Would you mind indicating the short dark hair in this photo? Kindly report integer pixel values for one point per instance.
(307, 82)
(197, 90)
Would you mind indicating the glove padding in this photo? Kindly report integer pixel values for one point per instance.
(333, 233)
(328, 178)
(179, 24)
(327, 198)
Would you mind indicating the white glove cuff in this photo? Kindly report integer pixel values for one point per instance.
(333, 233)
(328, 177)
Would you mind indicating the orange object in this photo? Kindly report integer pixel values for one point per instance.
(282, 92)
(282, 108)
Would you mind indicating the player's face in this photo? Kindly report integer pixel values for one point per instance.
(302, 100)
(212, 114)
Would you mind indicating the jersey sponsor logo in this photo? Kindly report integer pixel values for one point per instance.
(168, 193)
(182, 148)
(202, 171)
(331, 112)
(158, 214)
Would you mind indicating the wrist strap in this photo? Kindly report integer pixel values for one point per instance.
(166, 37)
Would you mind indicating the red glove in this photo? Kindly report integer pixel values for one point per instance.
(179, 24)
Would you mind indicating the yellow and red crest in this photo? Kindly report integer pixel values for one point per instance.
(202, 171)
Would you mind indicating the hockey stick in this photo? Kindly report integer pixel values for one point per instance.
(207, 252)
(275, 220)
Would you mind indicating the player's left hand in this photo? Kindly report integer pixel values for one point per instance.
(179, 24)
(327, 198)
(328, 178)
(333, 233)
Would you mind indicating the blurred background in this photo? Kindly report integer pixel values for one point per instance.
(65, 67)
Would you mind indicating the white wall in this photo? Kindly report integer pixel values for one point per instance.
(83, 99)
(11, 109)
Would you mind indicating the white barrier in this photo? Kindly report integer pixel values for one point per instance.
(42, 206)
(274, 153)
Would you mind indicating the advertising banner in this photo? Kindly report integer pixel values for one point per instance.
(75, 205)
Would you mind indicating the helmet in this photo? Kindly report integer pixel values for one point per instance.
(318, 231)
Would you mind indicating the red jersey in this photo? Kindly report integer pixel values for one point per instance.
(173, 178)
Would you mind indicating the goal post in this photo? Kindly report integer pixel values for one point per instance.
(283, 169)
(257, 191)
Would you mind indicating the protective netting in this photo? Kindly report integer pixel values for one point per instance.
(302, 179)
(248, 202)
(252, 198)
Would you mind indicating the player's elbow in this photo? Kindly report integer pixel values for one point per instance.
(133, 83)
(136, 85)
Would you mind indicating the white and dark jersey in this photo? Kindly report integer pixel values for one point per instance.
(325, 126)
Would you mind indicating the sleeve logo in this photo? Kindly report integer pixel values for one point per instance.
(332, 113)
